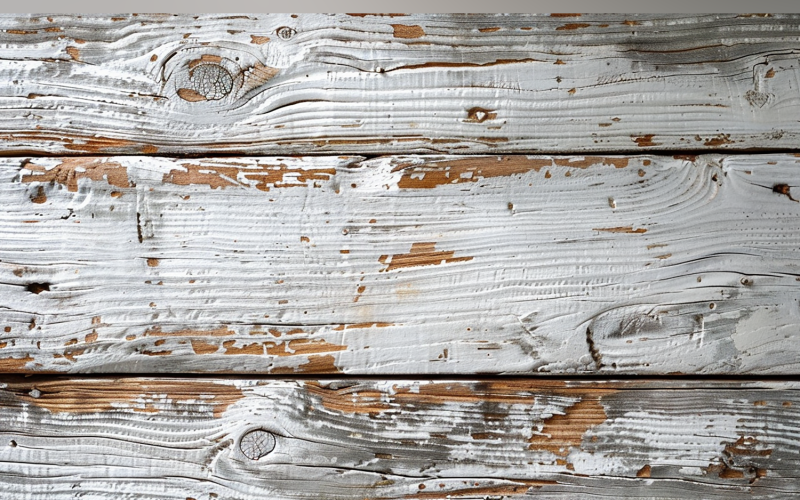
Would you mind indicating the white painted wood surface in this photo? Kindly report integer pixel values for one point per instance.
(284, 84)
(403, 264)
(176, 439)
(414, 265)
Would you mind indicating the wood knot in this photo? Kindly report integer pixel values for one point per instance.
(224, 76)
(257, 443)
(756, 98)
(208, 80)
(285, 32)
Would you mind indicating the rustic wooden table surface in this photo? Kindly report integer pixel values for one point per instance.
(385, 256)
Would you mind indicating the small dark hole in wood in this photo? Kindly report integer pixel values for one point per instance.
(38, 288)
(781, 189)
(13, 444)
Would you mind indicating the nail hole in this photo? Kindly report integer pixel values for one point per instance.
(38, 288)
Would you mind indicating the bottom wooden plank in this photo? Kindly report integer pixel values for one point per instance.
(225, 438)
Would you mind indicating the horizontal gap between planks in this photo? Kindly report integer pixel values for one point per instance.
(476, 376)
(373, 155)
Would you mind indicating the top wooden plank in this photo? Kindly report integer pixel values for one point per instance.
(394, 83)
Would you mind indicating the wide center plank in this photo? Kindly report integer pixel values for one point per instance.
(404, 264)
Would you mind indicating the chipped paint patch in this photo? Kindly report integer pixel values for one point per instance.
(467, 170)
(202, 347)
(133, 394)
(363, 401)
(404, 31)
(590, 161)
(15, 365)
(295, 347)
(560, 433)
(573, 26)
(479, 115)
(188, 332)
(720, 140)
(352, 326)
(191, 95)
(71, 170)
(74, 53)
(259, 40)
(500, 392)
(626, 229)
(40, 196)
(263, 177)
(522, 487)
(645, 141)
(257, 75)
(421, 254)
(319, 364)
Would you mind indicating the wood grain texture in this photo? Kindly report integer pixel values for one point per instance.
(281, 84)
(193, 438)
(403, 264)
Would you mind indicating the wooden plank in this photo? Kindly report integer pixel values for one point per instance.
(280, 84)
(250, 439)
(407, 264)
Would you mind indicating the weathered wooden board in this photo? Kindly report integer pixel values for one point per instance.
(280, 84)
(248, 439)
(405, 264)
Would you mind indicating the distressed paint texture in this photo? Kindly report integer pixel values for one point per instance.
(284, 84)
(182, 257)
(401, 264)
(349, 439)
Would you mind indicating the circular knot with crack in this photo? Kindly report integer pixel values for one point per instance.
(208, 80)
(212, 81)
(257, 443)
